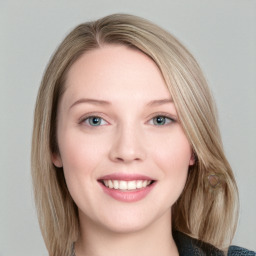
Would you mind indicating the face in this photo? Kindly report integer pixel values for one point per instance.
(124, 154)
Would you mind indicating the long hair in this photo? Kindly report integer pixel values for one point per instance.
(208, 207)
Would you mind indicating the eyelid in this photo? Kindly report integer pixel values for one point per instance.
(92, 114)
(173, 118)
(167, 115)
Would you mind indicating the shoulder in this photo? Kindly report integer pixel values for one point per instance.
(238, 251)
(189, 246)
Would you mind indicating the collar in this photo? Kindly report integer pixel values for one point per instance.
(188, 246)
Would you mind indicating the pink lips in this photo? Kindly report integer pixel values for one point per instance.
(127, 195)
(123, 176)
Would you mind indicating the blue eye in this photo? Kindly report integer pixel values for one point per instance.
(161, 120)
(95, 121)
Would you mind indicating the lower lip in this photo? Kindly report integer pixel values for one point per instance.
(128, 196)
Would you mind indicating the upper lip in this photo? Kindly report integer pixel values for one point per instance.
(125, 176)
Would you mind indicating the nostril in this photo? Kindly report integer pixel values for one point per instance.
(127, 150)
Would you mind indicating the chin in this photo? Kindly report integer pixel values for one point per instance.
(133, 221)
(121, 227)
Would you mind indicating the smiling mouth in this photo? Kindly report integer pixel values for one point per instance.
(123, 185)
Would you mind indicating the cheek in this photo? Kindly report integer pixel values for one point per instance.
(80, 155)
(173, 157)
(173, 151)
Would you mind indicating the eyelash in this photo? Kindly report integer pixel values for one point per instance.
(84, 120)
(166, 117)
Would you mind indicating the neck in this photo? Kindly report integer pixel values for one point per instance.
(156, 239)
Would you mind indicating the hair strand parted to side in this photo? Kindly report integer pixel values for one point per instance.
(203, 212)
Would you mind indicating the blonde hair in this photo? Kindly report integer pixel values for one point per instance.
(204, 210)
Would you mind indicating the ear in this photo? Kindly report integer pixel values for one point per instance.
(192, 158)
(56, 160)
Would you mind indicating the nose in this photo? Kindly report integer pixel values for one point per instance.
(127, 145)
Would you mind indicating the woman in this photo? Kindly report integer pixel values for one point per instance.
(127, 157)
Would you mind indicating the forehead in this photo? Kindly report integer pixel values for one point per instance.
(114, 71)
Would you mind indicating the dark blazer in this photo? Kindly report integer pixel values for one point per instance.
(188, 246)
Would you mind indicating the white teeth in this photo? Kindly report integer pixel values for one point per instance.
(123, 185)
(139, 184)
(110, 184)
(144, 183)
(116, 184)
(131, 185)
(126, 185)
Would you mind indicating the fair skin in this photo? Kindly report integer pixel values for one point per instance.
(117, 121)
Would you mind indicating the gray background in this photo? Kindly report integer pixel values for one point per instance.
(222, 36)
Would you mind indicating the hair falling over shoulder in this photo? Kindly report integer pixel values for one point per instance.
(204, 210)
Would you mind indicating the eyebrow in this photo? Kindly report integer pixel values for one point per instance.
(103, 102)
(160, 102)
(90, 101)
